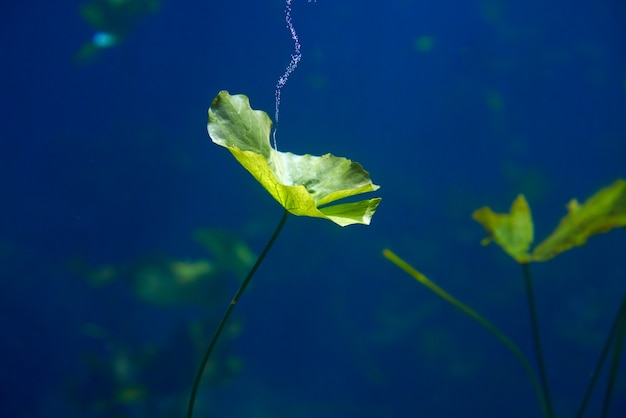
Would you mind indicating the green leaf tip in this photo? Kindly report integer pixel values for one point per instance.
(302, 184)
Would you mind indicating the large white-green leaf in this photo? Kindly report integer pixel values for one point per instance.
(302, 184)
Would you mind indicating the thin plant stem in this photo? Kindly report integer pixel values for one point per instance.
(613, 372)
(244, 284)
(619, 318)
(513, 348)
(617, 353)
(536, 337)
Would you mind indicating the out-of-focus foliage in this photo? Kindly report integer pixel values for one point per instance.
(128, 377)
(113, 20)
(512, 231)
(163, 280)
(229, 252)
(602, 212)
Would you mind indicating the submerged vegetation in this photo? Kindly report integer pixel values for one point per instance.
(304, 185)
(323, 187)
(514, 233)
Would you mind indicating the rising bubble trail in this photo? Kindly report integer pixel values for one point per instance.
(295, 59)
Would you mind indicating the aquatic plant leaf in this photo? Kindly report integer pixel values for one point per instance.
(602, 212)
(302, 184)
(512, 231)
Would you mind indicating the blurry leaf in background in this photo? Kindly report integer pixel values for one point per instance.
(113, 20)
(165, 281)
(124, 378)
(600, 213)
(189, 271)
(159, 280)
(512, 231)
(302, 184)
(231, 254)
(94, 275)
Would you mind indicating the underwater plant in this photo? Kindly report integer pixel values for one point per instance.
(304, 185)
(514, 232)
(117, 377)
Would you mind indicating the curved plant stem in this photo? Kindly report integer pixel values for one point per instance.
(536, 337)
(244, 284)
(514, 349)
(619, 321)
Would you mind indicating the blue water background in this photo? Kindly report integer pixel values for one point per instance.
(109, 161)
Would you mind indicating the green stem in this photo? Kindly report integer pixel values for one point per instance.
(617, 353)
(244, 284)
(619, 318)
(536, 337)
(478, 318)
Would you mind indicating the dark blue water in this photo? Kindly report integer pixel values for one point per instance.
(106, 172)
